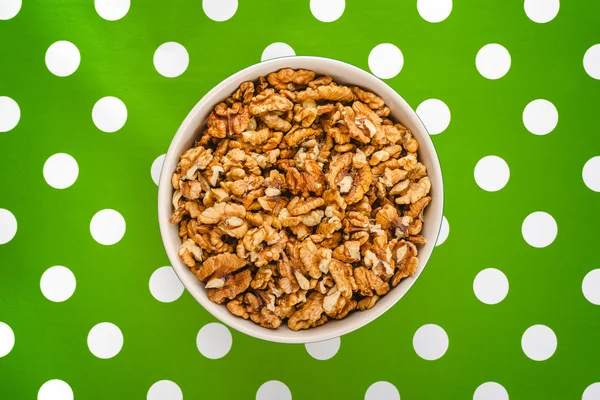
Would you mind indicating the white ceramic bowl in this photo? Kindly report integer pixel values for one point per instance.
(188, 132)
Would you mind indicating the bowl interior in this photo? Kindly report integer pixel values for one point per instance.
(189, 131)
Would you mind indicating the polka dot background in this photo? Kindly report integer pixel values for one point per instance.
(88, 107)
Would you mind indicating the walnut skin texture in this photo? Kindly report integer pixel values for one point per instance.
(301, 201)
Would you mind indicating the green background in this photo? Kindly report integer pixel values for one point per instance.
(114, 172)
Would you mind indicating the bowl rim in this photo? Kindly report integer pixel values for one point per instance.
(165, 189)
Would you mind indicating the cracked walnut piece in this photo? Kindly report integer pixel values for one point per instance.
(301, 201)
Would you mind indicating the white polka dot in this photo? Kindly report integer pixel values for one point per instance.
(444, 232)
(386, 61)
(10, 114)
(435, 115)
(490, 391)
(490, 286)
(60, 170)
(430, 342)
(8, 226)
(156, 168)
(491, 173)
(219, 10)
(539, 229)
(109, 114)
(214, 340)
(165, 286)
(9, 8)
(164, 390)
(273, 390)
(112, 10)
(58, 283)
(592, 392)
(276, 50)
(539, 342)
(323, 350)
(107, 227)
(62, 58)
(382, 390)
(434, 10)
(591, 61)
(171, 59)
(493, 61)
(591, 286)
(7, 339)
(540, 117)
(591, 174)
(327, 10)
(105, 340)
(55, 389)
(541, 11)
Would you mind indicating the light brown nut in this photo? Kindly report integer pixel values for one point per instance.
(392, 164)
(217, 126)
(277, 123)
(194, 159)
(360, 185)
(234, 227)
(301, 231)
(263, 276)
(269, 101)
(336, 167)
(298, 206)
(287, 219)
(273, 141)
(370, 99)
(221, 211)
(191, 189)
(337, 132)
(305, 113)
(367, 303)
(309, 313)
(368, 283)
(219, 266)
(333, 197)
(417, 239)
(234, 285)
(362, 135)
(237, 308)
(399, 187)
(348, 252)
(256, 137)
(325, 109)
(418, 172)
(239, 119)
(392, 176)
(415, 191)
(266, 318)
(383, 112)
(290, 79)
(387, 216)
(189, 253)
(313, 218)
(321, 81)
(418, 206)
(294, 138)
(311, 257)
(328, 92)
(341, 273)
(244, 93)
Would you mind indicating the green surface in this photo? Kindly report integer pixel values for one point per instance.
(114, 172)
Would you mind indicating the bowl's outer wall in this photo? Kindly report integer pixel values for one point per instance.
(190, 130)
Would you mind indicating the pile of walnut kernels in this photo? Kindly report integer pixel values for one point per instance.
(302, 200)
